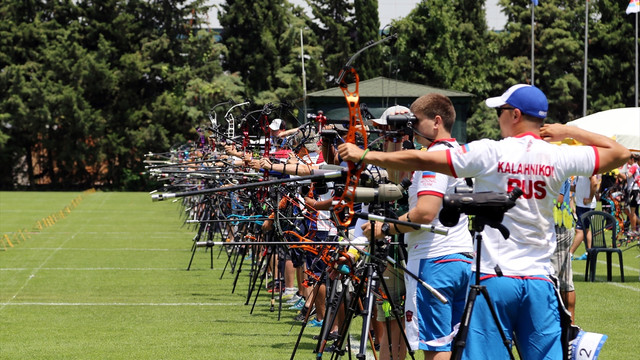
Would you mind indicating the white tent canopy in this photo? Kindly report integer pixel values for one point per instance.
(622, 124)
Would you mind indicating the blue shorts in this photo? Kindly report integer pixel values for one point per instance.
(527, 307)
(429, 323)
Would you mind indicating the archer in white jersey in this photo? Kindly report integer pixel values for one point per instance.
(524, 297)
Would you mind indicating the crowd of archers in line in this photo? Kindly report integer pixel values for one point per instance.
(335, 226)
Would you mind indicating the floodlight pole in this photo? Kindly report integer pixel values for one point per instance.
(304, 78)
(533, 75)
(636, 97)
(586, 50)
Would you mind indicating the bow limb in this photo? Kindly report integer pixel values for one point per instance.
(343, 209)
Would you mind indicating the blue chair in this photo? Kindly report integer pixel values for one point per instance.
(602, 227)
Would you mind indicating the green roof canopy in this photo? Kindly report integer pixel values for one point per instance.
(380, 93)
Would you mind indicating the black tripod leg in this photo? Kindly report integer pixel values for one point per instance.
(193, 253)
(222, 248)
(312, 299)
(460, 340)
(255, 299)
(276, 277)
(281, 288)
(350, 312)
(205, 216)
(234, 256)
(372, 279)
(333, 306)
(398, 319)
(211, 255)
(241, 255)
(224, 269)
(494, 314)
(256, 275)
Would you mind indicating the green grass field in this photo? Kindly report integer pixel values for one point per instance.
(108, 281)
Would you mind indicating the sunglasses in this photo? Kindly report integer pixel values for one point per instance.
(501, 109)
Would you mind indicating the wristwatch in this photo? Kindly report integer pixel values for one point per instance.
(385, 229)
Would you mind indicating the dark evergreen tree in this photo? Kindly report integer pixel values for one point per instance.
(86, 89)
(428, 44)
(559, 39)
(289, 74)
(446, 44)
(251, 33)
(264, 48)
(611, 56)
(367, 30)
(332, 26)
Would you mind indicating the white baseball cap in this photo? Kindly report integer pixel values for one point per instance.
(275, 124)
(394, 110)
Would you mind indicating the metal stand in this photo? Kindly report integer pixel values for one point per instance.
(460, 341)
(370, 279)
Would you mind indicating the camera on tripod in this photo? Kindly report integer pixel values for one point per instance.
(489, 207)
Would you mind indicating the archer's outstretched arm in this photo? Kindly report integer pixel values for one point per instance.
(407, 160)
(611, 154)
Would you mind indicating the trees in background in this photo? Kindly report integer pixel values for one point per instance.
(446, 44)
(366, 28)
(611, 56)
(333, 26)
(263, 42)
(88, 87)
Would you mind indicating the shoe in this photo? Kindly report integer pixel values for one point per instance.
(293, 300)
(289, 293)
(275, 285)
(270, 284)
(299, 304)
(332, 336)
(583, 257)
(315, 323)
(303, 312)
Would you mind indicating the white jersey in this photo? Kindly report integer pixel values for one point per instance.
(423, 244)
(583, 190)
(324, 222)
(539, 169)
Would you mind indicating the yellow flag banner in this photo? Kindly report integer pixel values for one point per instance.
(23, 235)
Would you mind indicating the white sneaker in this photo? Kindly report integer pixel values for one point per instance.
(289, 293)
(293, 299)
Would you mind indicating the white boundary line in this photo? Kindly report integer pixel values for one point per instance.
(615, 265)
(119, 304)
(33, 273)
(98, 269)
(100, 249)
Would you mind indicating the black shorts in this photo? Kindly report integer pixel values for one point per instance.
(633, 198)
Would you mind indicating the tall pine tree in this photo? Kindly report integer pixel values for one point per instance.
(332, 26)
(611, 57)
(367, 30)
